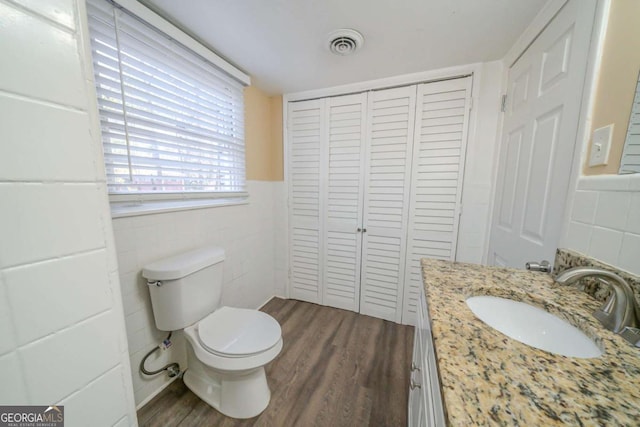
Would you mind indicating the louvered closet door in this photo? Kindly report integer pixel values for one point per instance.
(343, 204)
(442, 116)
(390, 119)
(305, 133)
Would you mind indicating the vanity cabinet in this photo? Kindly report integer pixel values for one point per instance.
(425, 398)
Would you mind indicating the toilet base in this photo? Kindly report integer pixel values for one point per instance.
(242, 394)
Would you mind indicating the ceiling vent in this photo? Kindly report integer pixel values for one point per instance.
(345, 42)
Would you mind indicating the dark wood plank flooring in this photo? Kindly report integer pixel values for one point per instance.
(336, 368)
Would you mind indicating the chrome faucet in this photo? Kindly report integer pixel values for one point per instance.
(619, 313)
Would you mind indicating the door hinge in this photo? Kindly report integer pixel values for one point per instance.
(470, 103)
(503, 106)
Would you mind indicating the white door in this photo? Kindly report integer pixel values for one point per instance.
(346, 119)
(390, 120)
(306, 132)
(538, 138)
(440, 141)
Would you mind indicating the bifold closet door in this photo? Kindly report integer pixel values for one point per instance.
(440, 139)
(306, 131)
(346, 123)
(390, 124)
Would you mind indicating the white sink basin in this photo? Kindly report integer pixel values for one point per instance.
(533, 326)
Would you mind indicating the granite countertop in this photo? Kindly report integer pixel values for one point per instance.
(490, 379)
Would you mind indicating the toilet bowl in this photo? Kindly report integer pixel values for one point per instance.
(226, 365)
(228, 347)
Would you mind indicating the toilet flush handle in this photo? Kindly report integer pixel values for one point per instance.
(157, 283)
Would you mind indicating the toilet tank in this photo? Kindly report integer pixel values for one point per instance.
(186, 287)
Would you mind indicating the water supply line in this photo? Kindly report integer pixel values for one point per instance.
(173, 369)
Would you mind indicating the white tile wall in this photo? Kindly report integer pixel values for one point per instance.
(82, 278)
(90, 405)
(67, 154)
(61, 317)
(584, 206)
(30, 44)
(14, 389)
(72, 210)
(605, 220)
(59, 11)
(281, 231)
(605, 244)
(253, 237)
(579, 234)
(633, 220)
(612, 209)
(629, 257)
(8, 341)
(72, 356)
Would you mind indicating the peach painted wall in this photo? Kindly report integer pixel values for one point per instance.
(263, 135)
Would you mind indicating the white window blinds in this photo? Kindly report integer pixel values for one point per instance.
(171, 121)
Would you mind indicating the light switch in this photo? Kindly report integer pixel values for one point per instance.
(600, 144)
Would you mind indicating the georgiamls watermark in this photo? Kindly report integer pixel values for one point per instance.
(31, 416)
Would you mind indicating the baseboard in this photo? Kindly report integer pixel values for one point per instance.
(265, 303)
(269, 299)
(157, 392)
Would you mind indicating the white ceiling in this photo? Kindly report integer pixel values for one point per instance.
(281, 43)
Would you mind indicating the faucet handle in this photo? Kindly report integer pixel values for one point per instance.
(632, 335)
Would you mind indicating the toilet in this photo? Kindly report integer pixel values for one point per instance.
(228, 347)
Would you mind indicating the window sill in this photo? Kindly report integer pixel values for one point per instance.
(128, 209)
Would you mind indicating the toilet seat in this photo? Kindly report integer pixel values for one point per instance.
(236, 332)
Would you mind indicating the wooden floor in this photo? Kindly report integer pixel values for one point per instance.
(337, 368)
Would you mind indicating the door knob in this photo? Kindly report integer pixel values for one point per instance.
(413, 385)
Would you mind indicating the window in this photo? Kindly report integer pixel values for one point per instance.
(172, 122)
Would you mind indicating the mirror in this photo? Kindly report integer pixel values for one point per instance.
(616, 85)
(630, 162)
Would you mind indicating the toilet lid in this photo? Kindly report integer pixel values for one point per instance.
(236, 332)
